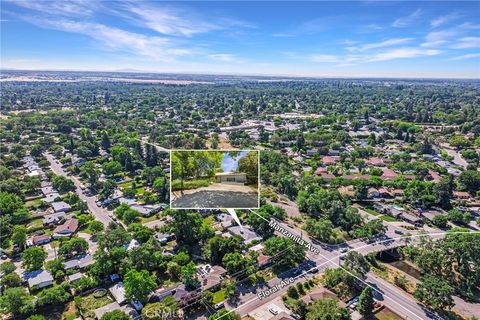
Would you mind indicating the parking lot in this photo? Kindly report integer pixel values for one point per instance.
(262, 313)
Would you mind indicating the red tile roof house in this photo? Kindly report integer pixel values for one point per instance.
(320, 170)
(66, 229)
(42, 239)
(461, 195)
(375, 162)
(327, 176)
(433, 176)
(388, 174)
(330, 160)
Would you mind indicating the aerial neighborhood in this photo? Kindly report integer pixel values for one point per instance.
(369, 202)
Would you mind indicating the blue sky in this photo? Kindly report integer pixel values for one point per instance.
(344, 39)
(230, 164)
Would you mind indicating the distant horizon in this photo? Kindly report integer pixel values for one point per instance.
(200, 73)
(354, 39)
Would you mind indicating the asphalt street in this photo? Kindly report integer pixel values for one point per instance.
(100, 213)
(216, 199)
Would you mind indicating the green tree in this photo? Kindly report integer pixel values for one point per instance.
(33, 258)
(19, 236)
(7, 267)
(470, 180)
(95, 227)
(440, 221)
(53, 296)
(366, 302)
(357, 264)
(249, 165)
(115, 315)
(11, 280)
(292, 252)
(435, 292)
(164, 310)
(327, 309)
(139, 284)
(188, 274)
(224, 315)
(16, 300)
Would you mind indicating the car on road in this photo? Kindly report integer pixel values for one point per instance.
(343, 250)
(273, 310)
(398, 231)
(352, 303)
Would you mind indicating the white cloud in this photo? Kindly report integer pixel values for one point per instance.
(401, 53)
(72, 8)
(175, 20)
(443, 19)
(437, 38)
(224, 57)
(466, 56)
(169, 21)
(377, 45)
(405, 21)
(467, 42)
(153, 47)
(469, 25)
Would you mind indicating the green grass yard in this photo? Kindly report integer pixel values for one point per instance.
(219, 296)
(379, 215)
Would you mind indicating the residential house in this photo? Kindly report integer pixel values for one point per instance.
(132, 313)
(40, 240)
(225, 220)
(75, 277)
(39, 279)
(118, 293)
(78, 262)
(247, 234)
(320, 293)
(54, 218)
(61, 206)
(51, 197)
(66, 229)
(210, 277)
(231, 177)
(388, 174)
(263, 260)
(164, 238)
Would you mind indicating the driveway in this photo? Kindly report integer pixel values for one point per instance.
(216, 195)
(216, 199)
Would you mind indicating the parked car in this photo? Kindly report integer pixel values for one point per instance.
(273, 310)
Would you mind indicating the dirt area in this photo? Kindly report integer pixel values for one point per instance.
(217, 187)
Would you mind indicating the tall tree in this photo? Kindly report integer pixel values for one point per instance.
(365, 302)
(139, 284)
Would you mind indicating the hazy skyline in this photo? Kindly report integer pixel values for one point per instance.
(323, 39)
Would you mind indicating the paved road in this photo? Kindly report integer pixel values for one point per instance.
(457, 158)
(394, 298)
(144, 140)
(100, 213)
(216, 199)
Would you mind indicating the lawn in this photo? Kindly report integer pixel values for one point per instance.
(386, 314)
(35, 223)
(33, 204)
(219, 296)
(379, 215)
(89, 303)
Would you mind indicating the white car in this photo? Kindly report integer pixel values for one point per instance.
(273, 310)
